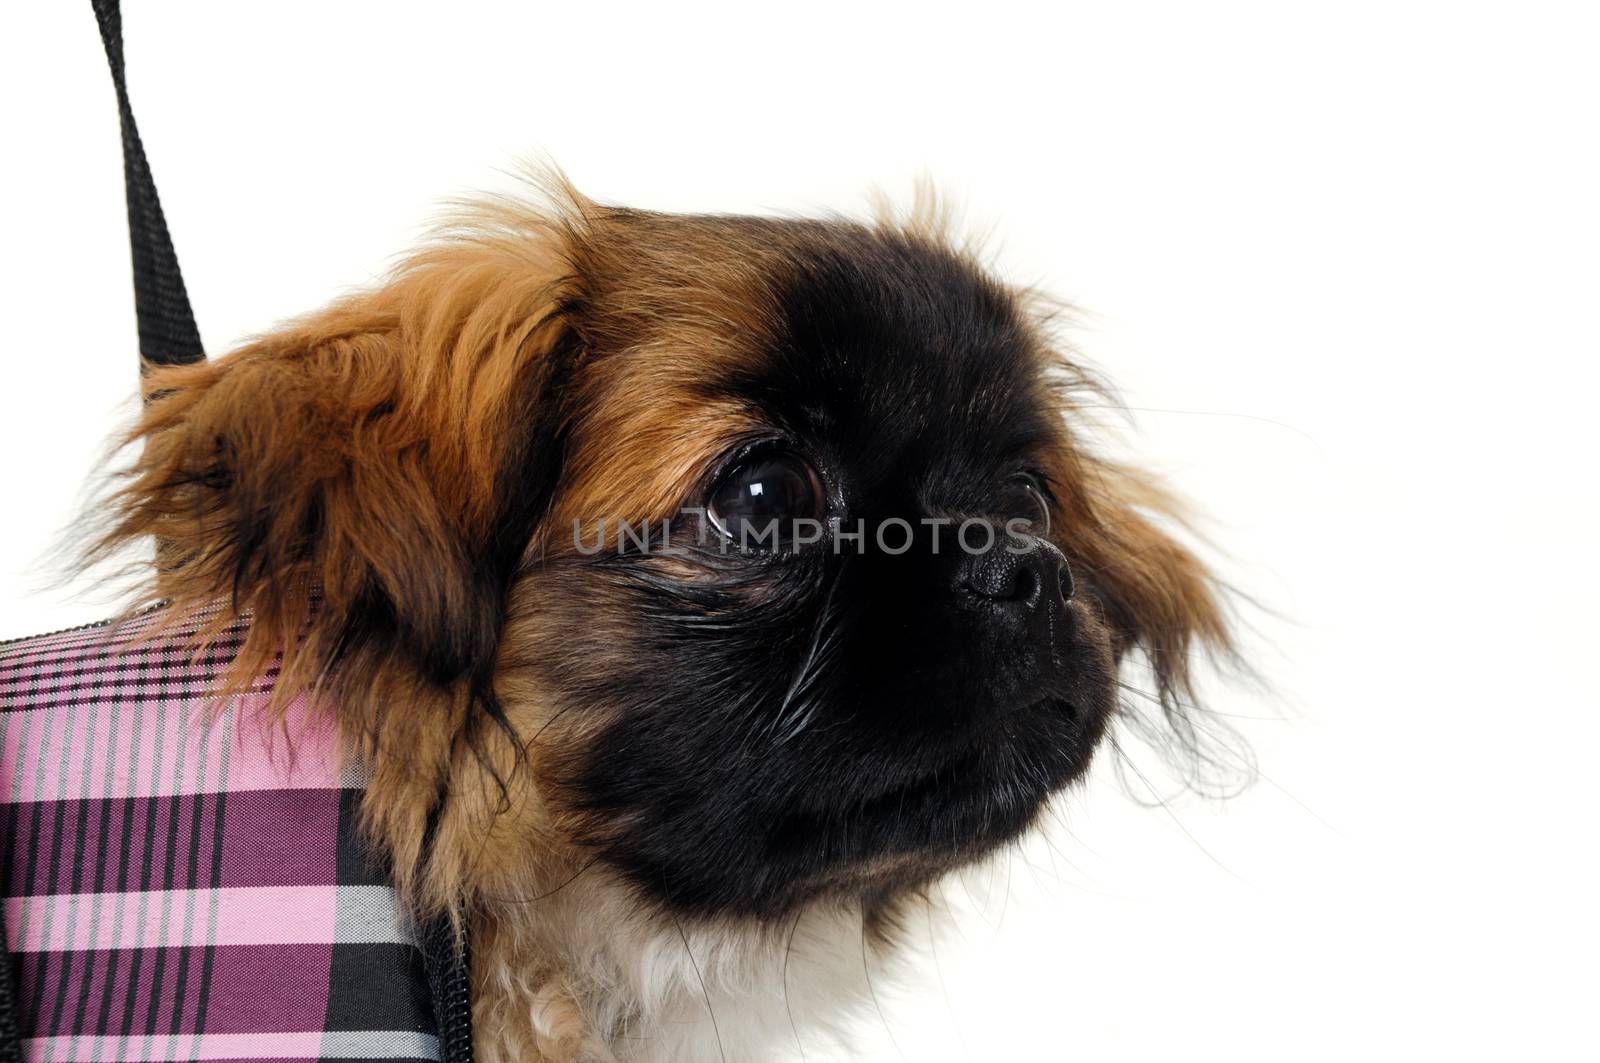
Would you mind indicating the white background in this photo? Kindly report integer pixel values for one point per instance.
(1343, 259)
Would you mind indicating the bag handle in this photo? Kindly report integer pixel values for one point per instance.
(167, 332)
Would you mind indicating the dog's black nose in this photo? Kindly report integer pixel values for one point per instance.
(1027, 581)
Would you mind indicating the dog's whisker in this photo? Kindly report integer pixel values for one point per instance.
(1166, 807)
(944, 988)
(822, 641)
(704, 992)
(788, 1005)
(866, 970)
(548, 893)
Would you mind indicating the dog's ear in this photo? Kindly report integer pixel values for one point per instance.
(1121, 528)
(364, 482)
(1160, 601)
(1159, 597)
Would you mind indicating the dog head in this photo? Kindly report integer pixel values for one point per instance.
(757, 560)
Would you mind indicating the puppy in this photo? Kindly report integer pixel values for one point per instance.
(872, 624)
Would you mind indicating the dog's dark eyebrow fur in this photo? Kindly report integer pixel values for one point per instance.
(887, 341)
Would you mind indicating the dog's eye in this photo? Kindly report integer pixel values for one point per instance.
(1025, 497)
(757, 502)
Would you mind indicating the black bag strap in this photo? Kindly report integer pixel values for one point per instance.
(167, 332)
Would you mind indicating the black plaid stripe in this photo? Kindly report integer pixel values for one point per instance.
(375, 987)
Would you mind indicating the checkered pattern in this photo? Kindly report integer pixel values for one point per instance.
(181, 884)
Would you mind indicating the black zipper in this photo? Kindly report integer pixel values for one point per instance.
(450, 985)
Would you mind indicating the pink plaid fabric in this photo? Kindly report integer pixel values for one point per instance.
(176, 884)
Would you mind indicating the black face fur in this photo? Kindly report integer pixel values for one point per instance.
(775, 726)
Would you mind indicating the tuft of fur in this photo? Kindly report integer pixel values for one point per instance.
(635, 985)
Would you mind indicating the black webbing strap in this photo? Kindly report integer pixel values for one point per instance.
(167, 332)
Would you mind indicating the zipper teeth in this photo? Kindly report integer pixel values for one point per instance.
(107, 622)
